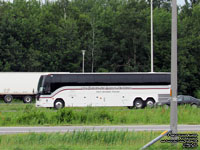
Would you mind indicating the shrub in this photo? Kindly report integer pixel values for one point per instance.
(197, 93)
(33, 117)
(65, 115)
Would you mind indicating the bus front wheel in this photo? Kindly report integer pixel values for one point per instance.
(58, 104)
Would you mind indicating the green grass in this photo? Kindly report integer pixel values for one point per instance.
(19, 114)
(27, 114)
(86, 140)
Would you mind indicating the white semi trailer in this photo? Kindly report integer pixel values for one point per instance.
(20, 85)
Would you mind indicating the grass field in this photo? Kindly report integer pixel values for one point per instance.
(17, 114)
(84, 141)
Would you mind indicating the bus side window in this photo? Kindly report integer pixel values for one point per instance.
(47, 89)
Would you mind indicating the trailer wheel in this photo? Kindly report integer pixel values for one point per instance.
(139, 103)
(27, 99)
(8, 98)
(58, 104)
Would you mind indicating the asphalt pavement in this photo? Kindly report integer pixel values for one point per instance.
(49, 129)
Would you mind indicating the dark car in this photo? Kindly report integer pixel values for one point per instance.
(182, 100)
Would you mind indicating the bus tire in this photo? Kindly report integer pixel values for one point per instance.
(150, 102)
(27, 99)
(8, 98)
(58, 104)
(139, 103)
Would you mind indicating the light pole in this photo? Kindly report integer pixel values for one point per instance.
(151, 35)
(83, 53)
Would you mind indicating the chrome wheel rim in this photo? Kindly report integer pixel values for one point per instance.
(138, 105)
(59, 105)
(150, 104)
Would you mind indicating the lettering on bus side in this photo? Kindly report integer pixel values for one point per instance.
(107, 91)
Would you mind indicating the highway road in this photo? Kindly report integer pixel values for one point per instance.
(14, 130)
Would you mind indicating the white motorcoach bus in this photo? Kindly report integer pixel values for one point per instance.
(103, 89)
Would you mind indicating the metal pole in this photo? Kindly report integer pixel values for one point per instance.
(156, 139)
(173, 111)
(151, 35)
(83, 67)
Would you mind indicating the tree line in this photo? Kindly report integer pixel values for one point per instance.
(49, 36)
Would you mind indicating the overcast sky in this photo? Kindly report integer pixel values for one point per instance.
(180, 2)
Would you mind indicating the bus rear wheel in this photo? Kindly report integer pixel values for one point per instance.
(150, 102)
(138, 103)
(58, 104)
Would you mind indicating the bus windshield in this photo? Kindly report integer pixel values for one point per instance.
(44, 85)
(40, 87)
